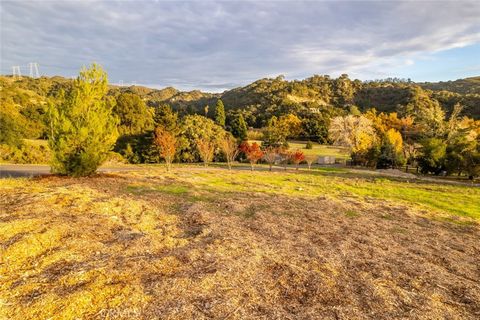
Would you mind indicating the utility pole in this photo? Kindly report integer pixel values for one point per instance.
(34, 67)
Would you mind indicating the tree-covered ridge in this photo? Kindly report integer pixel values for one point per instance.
(267, 97)
(315, 100)
(383, 123)
(463, 86)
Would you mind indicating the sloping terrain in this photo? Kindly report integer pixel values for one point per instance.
(464, 86)
(209, 243)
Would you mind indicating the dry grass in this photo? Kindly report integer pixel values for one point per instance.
(143, 245)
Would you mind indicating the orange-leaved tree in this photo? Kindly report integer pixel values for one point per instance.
(252, 152)
(297, 157)
(167, 143)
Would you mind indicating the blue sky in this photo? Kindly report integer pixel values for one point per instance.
(217, 45)
(444, 65)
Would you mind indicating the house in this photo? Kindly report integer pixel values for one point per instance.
(326, 160)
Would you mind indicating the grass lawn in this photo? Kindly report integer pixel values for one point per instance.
(462, 201)
(198, 243)
(318, 149)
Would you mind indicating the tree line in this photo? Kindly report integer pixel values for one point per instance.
(85, 120)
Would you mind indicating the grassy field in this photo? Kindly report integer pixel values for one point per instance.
(318, 149)
(211, 243)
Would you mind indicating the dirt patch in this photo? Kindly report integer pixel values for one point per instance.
(396, 173)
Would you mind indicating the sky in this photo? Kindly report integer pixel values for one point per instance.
(218, 45)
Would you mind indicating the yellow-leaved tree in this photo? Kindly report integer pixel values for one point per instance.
(395, 139)
(355, 132)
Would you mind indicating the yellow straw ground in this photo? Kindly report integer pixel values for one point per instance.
(198, 244)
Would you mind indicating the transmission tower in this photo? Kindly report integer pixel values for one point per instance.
(34, 68)
(16, 72)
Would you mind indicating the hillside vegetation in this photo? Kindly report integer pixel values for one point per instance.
(262, 99)
(276, 96)
(462, 86)
(379, 124)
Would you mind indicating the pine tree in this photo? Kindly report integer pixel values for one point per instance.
(220, 113)
(82, 127)
(239, 128)
(166, 118)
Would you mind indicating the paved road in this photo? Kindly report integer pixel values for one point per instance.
(31, 170)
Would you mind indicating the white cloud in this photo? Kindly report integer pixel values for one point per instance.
(215, 45)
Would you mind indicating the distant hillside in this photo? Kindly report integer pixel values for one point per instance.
(187, 101)
(462, 86)
(266, 97)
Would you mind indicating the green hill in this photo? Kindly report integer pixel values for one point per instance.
(461, 86)
(263, 98)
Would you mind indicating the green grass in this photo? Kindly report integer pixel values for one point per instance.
(351, 213)
(461, 201)
(318, 149)
(173, 189)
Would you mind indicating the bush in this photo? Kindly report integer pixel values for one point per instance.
(10, 126)
(309, 145)
(139, 148)
(114, 158)
(388, 157)
(254, 134)
(25, 154)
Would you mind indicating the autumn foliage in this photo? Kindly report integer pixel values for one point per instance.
(252, 152)
(297, 157)
(167, 144)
